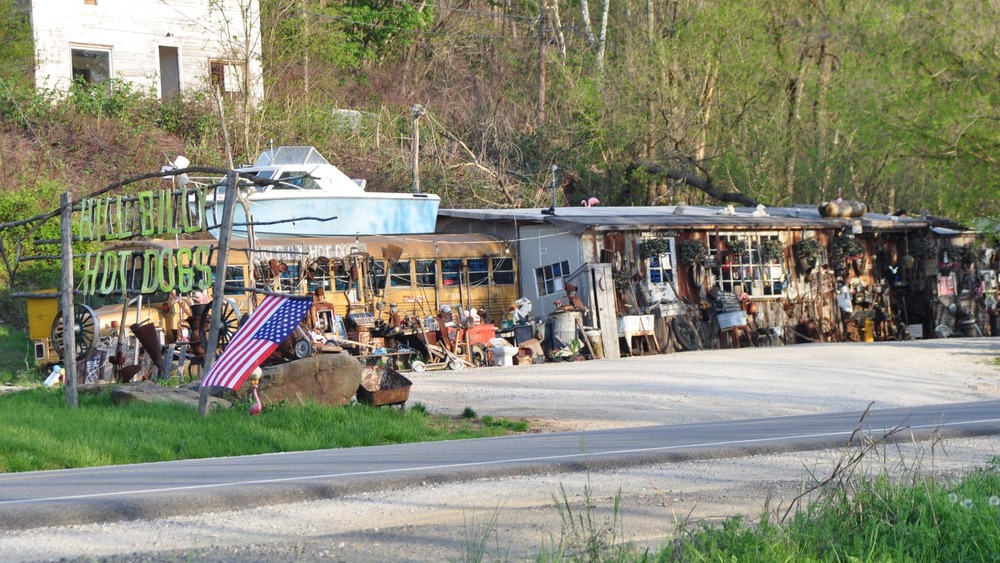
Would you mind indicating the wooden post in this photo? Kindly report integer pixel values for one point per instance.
(66, 298)
(219, 288)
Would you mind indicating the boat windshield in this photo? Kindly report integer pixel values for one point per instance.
(282, 156)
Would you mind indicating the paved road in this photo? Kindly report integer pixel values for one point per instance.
(29, 500)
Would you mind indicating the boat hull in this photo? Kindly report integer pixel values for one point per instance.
(290, 214)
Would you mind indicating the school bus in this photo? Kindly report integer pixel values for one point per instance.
(168, 284)
(157, 283)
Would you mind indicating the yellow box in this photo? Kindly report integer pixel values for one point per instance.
(41, 313)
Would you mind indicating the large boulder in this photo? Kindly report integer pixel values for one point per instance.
(148, 392)
(331, 379)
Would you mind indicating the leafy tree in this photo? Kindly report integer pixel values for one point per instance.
(17, 54)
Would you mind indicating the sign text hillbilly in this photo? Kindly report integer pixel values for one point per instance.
(149, 214)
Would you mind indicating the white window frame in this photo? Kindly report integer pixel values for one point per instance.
(547, 281)
(105, 49)
(662, 267)
(747, 273)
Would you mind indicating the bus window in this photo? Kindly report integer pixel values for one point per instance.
(400, 274)
(235, 280)
(450, 269)
(426, 273)
(377, 273)
(479, 271)
(503, 271)
(290, 277)
(320, 270)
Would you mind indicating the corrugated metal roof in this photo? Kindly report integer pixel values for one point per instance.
(579, 219)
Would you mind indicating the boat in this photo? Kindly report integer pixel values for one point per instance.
(306, 196)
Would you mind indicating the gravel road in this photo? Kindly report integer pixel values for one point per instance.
(516, 518)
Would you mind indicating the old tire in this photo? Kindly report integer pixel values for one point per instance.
(685, 334)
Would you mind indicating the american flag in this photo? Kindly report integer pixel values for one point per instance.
(268, 326)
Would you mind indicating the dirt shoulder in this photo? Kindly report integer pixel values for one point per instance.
(517, 517)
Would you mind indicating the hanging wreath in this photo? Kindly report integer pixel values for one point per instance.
(651, 247)
(692, 252)
(771, 250)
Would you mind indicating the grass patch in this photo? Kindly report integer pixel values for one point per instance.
(17, 362)
(41, 433)
(876, 520)
(867, 509)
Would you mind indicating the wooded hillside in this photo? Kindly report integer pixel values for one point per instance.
(895, 103)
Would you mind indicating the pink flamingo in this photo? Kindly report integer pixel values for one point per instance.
(256, 407)
(590, 202)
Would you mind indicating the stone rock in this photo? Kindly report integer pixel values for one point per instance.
(147, 391)
(330, 379)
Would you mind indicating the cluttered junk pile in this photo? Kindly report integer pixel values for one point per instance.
(453, 338)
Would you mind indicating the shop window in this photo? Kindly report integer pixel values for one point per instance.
(739, 268)
(549, 279)
(503, 271)
(660, 270)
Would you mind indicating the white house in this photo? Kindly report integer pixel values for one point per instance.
(167, 45)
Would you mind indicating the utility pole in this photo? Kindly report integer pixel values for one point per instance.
(66, 302)
(542, 20)
(219, 287)
(418, 112)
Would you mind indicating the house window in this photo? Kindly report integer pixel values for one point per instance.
(227, 76)
(550, 278)
(503, 271)
(739, 267)
(91, 66)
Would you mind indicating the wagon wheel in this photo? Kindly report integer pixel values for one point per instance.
(84, 330)
(229, 322)
(479, 355)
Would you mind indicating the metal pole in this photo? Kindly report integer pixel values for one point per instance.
(218, 289)
(66, 299)
(418, 111)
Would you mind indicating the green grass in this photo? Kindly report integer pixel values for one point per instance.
(41, 432)
(16, 359)
(876, 520)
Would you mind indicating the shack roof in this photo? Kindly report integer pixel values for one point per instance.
(600, 218)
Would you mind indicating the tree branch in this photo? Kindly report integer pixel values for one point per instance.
(697, 182)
